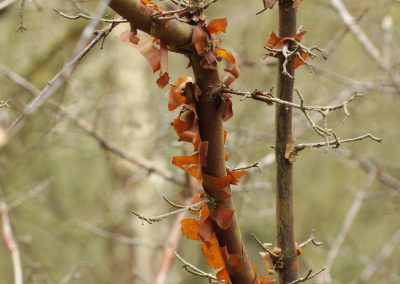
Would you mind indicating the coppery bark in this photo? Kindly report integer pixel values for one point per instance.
(211, 130)
(179, 35)
(284, 173)
(173, 32)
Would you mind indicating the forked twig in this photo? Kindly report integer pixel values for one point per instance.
(196, 271)
(153, 219)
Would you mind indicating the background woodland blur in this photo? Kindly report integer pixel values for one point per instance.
(70, 199)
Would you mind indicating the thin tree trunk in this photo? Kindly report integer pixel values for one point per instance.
(179, 34)
(211, 130)
(284, 173)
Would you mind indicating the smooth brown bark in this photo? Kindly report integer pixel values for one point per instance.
(284, 173)
(173, 32)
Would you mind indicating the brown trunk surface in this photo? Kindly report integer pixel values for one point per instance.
(284, 173)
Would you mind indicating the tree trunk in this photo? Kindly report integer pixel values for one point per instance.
(211, 130)
(284, 173)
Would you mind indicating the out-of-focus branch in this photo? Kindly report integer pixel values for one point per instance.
(364, 40)
(10, 242)
(385, 252)
(6, 3)
(59, 79)
(88, 17)
(359, 34)
(338, 38)
(117, 237)
(171, 246)
(347, 224)
(108, 145)
(72, 274)
(30, 194)
(88, 129)
(368, 166)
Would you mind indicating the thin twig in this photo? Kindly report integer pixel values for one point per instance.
(196, 271)
(312, 240)
(59, 79)
(88, 129)
(307, 277)
(255, 165)
(267, 97)
(270, 252)
(172, 203)
(192, 207)
(336, 143)
(88, 17)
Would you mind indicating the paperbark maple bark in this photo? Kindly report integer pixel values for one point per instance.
(178, 34)
(211, 130)
(284, 173)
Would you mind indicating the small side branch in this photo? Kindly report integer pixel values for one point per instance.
(307, 277)
(192, 207)
(335, 143)
(255, 165)
(268, 98)
(312, 240)
(277, 259)
(88, 17)
(196, 271)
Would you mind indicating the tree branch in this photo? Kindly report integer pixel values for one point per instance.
(196, 271)
(10, 242)
(59, 79)
(88, 129)
(153, 219)
(173, 32)
(347, 224)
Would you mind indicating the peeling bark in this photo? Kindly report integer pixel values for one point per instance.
(211, 130)
(179, 35)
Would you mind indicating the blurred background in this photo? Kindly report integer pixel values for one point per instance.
(70, 199)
